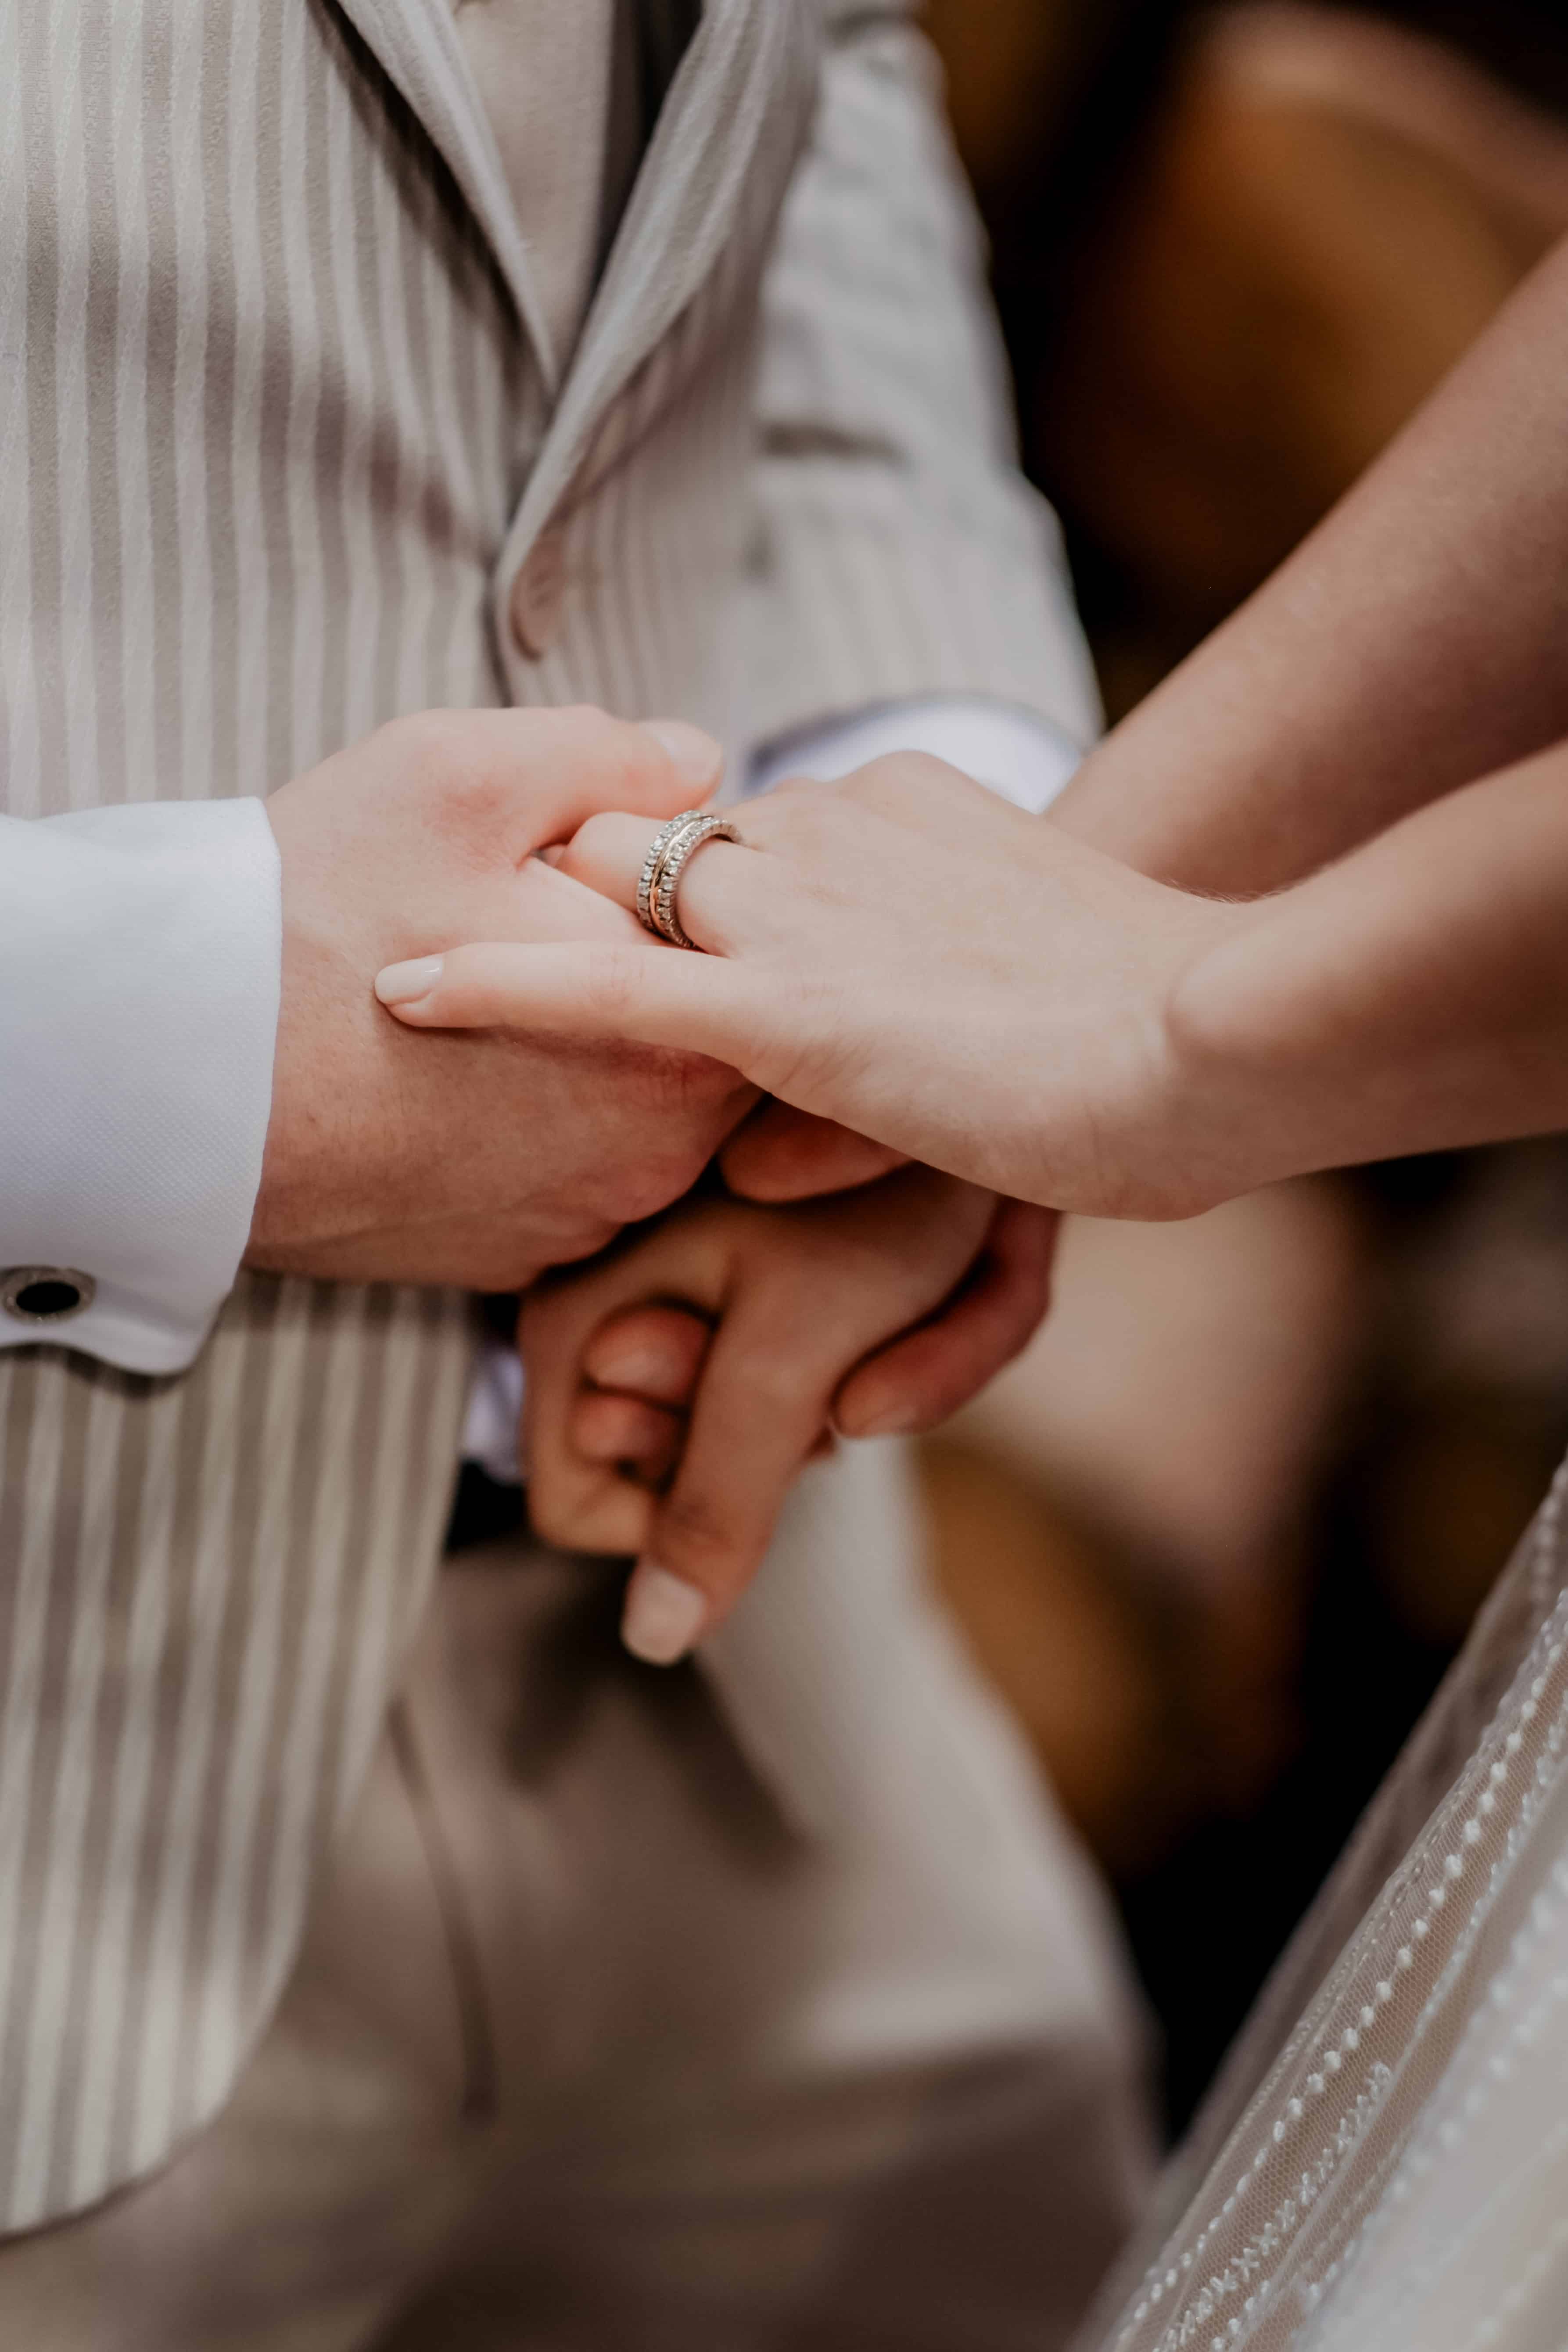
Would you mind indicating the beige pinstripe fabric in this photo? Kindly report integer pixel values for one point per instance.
(278, 426)
(546, 74)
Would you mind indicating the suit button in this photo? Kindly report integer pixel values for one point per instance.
(45, 1294)
(537, 596)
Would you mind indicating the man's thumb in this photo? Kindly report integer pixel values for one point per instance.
(694, 755)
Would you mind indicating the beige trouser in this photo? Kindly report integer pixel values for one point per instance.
(612, 2037)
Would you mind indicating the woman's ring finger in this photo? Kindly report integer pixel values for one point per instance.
(612, 853)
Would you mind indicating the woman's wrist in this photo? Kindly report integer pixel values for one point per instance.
(1409, 998)
(1246, 1087)
(1274, 1029)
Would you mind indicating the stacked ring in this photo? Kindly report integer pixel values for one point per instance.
(655, 859)
(670, 852)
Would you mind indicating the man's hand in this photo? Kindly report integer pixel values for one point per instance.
(473, 1159)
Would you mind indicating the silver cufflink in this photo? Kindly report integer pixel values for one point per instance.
(45, 1294)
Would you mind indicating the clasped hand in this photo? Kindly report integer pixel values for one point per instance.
(917, 973)
(678, 1380)
(915, 963)
(909, 957)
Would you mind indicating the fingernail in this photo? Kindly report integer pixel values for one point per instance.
(697, 756)
(401, 984)
(663, 1615)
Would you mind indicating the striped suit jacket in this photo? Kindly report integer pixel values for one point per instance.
(281, 454)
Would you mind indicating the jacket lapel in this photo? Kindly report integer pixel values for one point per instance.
(744, 85)
(416, 43)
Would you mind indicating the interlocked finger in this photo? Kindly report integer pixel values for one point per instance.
(760, 1415)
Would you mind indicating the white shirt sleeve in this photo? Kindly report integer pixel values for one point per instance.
(1018, 752)
(140, 952)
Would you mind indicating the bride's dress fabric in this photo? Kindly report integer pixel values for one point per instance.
(1383, 2165)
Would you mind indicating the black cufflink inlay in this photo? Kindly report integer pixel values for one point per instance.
(47, 1299)
(45, 1294)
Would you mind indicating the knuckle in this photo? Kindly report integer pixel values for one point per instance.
(902, 780)
(480, 797)
(677, 1106)
(584, 724)
(788, 816)
(779, 804)
(611, 982)
(430, 742)
(589, 738)
(812, 817)
(448, 756)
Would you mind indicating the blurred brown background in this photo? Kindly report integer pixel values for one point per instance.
(1219, 1533)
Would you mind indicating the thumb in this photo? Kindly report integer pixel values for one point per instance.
(694, 758)
(575, 763)
(593, 991)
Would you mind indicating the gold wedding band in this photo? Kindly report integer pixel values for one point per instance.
(669, 853)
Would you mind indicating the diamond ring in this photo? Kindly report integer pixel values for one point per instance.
(669, 853)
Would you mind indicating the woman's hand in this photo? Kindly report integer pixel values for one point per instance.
(910, 956)
(677, 1386)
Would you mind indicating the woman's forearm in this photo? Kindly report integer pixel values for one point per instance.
(1411, 997)
(1413, 642)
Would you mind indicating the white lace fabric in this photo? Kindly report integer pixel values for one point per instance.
(1383, 2166)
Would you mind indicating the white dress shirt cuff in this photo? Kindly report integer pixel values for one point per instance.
(1019, 753)
(140, 952)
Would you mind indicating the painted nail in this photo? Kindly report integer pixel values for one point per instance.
(663, 1616)
(403, 983)
(696, 755)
